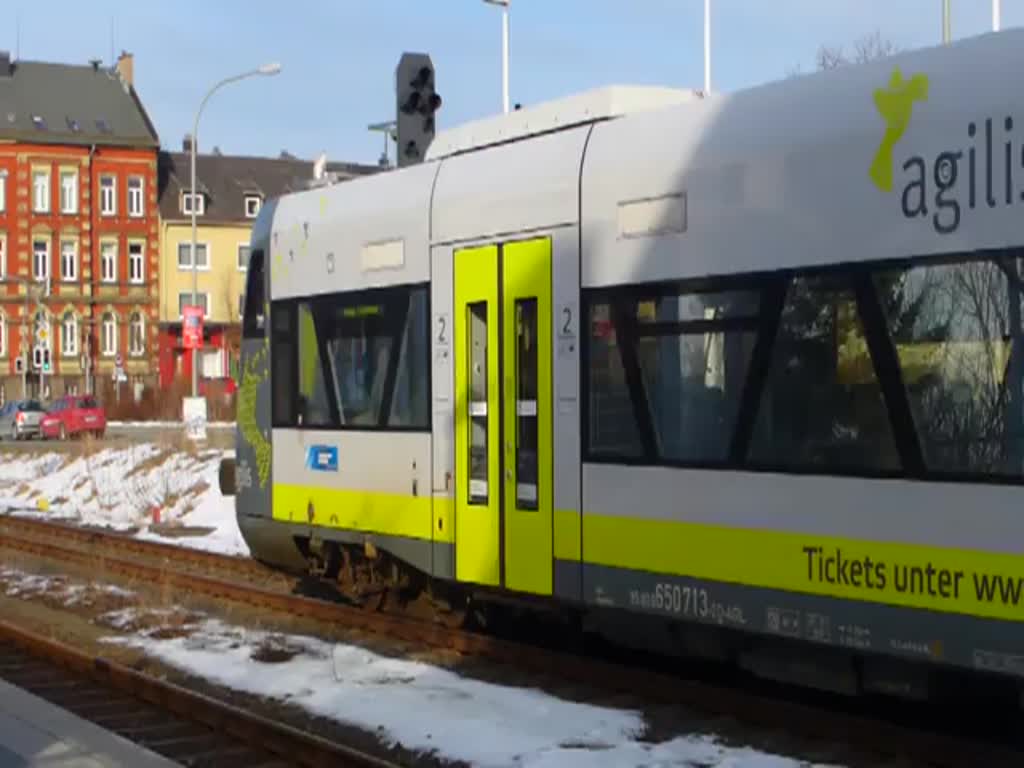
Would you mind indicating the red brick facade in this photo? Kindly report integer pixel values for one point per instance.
(102, 262)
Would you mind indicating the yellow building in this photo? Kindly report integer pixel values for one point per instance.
(230, 190)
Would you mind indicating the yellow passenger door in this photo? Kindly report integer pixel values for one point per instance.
(503, 400)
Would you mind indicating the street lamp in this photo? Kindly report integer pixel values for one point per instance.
(266, 69)
(504, 49)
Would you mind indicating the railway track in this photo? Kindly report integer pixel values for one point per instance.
(181, 725)
(929, 744)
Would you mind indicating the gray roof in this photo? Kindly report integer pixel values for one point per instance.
(68, 104)
(226, 179)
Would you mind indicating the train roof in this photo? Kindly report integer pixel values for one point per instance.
(666, 184)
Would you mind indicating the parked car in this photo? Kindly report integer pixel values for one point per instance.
(73, 415)
(20, 419)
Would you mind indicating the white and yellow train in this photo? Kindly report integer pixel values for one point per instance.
(739, 373)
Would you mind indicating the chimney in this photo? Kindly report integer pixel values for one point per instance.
(126, 67)
(186, 143)
(5, 63)
(95, 64)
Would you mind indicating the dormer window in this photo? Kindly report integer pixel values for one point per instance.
(252, 206)
(187, 201)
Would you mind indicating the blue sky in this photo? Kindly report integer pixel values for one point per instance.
(339, 56)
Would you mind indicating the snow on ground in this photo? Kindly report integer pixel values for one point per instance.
(430, 709)
(120, 488)
(419, 706)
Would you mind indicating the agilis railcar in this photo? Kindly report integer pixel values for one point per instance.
(737, 375)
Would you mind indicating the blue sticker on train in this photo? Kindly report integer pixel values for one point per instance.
(322, 458)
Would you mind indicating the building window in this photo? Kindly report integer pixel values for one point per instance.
(241, 305)
(135, 198)
(41, 191)
(136, 265)
(3, 336)
(69, 260)
(3, 255)
(243, 258)
(186, 203)
(69, 192)
(136, 335)
(3, 191)
(69, 334)
(185, 300)
(108, 336)
(108, 195)
(40, 259)
(185, 253)
(252, 206)
(108, 262)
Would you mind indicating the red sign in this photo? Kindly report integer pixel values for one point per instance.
(192, 328)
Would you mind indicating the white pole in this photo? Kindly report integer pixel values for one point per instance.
(995, 15)
(707, 47)
(946, 33)
(504, 56)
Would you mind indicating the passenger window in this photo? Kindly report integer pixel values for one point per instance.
(612, 427)
(254, 319)
(822, 405)
(957, 331)
(283, 373)
(314, 405)
(411, 401)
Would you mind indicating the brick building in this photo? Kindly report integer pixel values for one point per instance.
(79, 244)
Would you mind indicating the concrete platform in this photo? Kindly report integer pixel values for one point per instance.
(34, 732)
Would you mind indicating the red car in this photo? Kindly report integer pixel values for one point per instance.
(73, 415)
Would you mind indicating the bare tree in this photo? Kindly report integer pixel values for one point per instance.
(868, 48)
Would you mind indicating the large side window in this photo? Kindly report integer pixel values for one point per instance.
(957, 332)
(822, 405)
(667, 370)
(359, 360)
(253, 318)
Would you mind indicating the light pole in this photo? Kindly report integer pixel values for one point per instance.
(945, 22)
(707, 47)
(995, 16)
(266, 69)
(504, 49)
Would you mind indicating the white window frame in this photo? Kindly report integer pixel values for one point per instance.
(139, 262)
(40, 190)
(3, 254)
(3, 335)
(3, 191)
(136, 195)
(108, 194)
(105, 350)
(243, 266)
(185, 300)
(69, 275)
(69, 333)
(186, 198)
(134, 351)
(36, 274)
(104, 246)
(250, 199)
(68, 191)
(200, 248)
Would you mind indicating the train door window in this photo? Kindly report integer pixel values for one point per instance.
(822, 405)
(526, 403)
(253, 318)
(283, 359)
(479, 417)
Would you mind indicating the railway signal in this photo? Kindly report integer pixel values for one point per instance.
(417, 100)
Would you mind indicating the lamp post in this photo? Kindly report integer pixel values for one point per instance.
(266, 69)
(995, 16)
(946, 33)
(707, 47)
(504, 49)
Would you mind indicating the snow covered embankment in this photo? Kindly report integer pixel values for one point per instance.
(156, 491)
